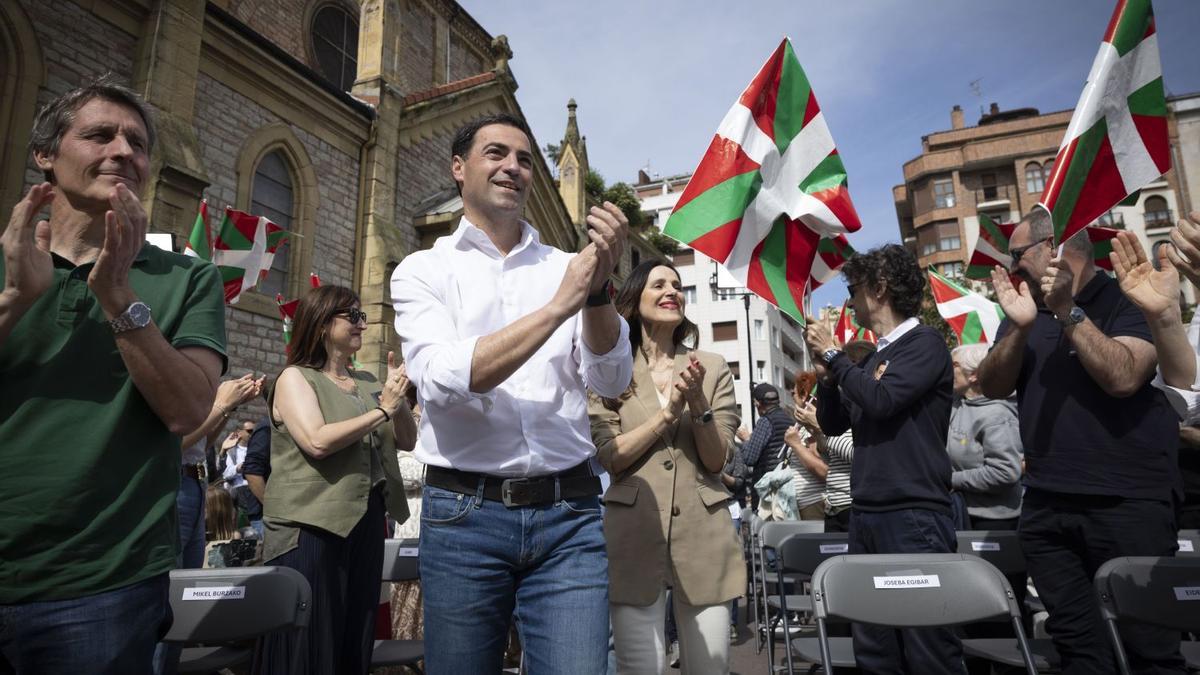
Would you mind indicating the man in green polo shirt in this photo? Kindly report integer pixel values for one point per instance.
(110, 351)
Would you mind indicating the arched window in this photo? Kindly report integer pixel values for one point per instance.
(1157, 213)
(1047, 169)
(334, 34)
(1034, 180)
(272, 196)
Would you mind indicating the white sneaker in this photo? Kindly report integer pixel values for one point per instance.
(673, 655)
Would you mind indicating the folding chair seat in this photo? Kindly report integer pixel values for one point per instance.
(1163, 592)
(770, 535)
(400, 563)
(801, 554)
(913, 591)
(214, 607)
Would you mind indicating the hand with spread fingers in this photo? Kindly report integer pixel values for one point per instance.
(607, 229)
(124, 235)
(1155, 292)
(806, 414)
(1018, 303)
(28, 268)
(691, 379)
(1185, 255)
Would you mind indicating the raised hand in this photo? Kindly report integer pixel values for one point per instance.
(1155, 292)
(818, 336)
(1185, 255)
(607, 228)
(806, 414)
(28, 269)
(233, 393)
(395, 386)
(691, 379)
(1057, 287)
(577, 281)
(124, 234)
(1018, 303)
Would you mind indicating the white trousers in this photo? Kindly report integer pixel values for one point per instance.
(639, 636)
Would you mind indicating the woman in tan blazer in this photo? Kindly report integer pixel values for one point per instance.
(666, 522)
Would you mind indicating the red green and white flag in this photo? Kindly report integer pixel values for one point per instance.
(973, 317)
(1117, 140)
(199, 244)
(770, 185)
(848, 329)
(287, 309)
(991, 248)
(244, 249)
(832, 253)
(1102, 245)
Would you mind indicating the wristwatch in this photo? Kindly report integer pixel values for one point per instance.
(704, 417)
(601, 297)
(1073, 317)
(136, 315)
(829, 355)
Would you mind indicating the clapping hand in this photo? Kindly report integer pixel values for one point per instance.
(818, 335)
(28, 269)
(806, 414)
(124, 235)
(1018, 303)
(394, 387)
(1185, 255)
(1058, 286)
(691, 379)
(607, 229)
(1155, 292)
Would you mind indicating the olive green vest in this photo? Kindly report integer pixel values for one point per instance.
(331, 493)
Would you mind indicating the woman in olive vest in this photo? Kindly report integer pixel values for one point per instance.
(334, 472)
(665, 442)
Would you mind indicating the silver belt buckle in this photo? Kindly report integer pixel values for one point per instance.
(506, 492)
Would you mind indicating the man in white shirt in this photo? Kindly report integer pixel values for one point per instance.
(502, 336)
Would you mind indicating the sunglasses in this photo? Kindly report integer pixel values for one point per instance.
(354, 315)
(1019, 251)
(850, 288)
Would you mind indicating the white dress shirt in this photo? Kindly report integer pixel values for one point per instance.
(534, 423)
(1186, 402)
(233, 459)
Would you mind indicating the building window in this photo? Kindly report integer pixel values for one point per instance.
(635, 258)
(1047, 169)
(684, 257)
(689, 294)
(988, 182)
(724, 331)
(760, 368)
(927, 240)
(758, 330)
(1035, 180)
(272, 197)
(735, 369)
(949, 238)
(1113, 219)
(943, 193)
(1157, 213)
(953, 270)
(335, 45)
(775, 337)
(779, 377)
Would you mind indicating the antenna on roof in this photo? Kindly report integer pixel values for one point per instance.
(977, 91)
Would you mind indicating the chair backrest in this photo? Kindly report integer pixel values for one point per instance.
(1189, 544)
(1160, 591)
(400, 561)
(999, 547)
(911, 590)
(237, 603)
(802, 553)
(773, 533)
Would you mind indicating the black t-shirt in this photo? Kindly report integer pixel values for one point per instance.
(1077, 438)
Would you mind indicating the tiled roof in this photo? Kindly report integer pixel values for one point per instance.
(449, 88)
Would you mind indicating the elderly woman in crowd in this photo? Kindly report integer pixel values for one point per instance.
(665, 441)
(984, 446)
(334, 472)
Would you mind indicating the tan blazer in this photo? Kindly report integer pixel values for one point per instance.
(667, 509)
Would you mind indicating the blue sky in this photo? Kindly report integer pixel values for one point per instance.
(653, 79)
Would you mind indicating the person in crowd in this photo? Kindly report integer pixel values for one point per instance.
(503, 335)
(233, 450)
(1185, 256)
(665, 441)
(897, 402)
(111, 350)
(256, 469)
(1100, 441)
(220, 515)
(764, 449)
(804, 458)
(984, 446)
(333, 474)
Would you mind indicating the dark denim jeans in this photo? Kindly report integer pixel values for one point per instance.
(482, 563)
(916, 651)
(110, 633)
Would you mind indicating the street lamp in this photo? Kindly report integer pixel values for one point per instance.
(728, 288)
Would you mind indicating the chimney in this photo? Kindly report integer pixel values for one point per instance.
(995, 110)
(956, 118)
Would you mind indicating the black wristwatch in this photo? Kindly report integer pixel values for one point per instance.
(601, 297)
(704, 417)
(829, 355)
(1076, 315)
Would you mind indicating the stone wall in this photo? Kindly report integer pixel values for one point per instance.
(418, 27)
(464, 62)
(424, 170)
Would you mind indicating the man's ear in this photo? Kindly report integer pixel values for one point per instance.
(456, 169)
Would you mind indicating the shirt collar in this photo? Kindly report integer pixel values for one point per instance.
(897, 332)
(468, 235)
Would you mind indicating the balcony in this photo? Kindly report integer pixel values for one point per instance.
(994, 196)
(1158, 220)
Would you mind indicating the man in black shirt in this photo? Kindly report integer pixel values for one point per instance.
(1100, 441)
(897, 402)
(762, 451)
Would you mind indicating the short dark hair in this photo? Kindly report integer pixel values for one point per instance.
(56, 117)
(316, 309)
(464, 138)
(894, 268)
(1042, 226)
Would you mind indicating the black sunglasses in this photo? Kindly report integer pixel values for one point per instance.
(354, 315)
(1019, 251)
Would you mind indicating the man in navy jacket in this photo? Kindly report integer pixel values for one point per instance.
(897, 402)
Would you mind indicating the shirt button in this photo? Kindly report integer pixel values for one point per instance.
(674, 511)
(668, 465)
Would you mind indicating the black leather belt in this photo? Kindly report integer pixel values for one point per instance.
(573, 483)
(196, 471)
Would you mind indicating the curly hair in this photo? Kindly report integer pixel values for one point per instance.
(893, 269)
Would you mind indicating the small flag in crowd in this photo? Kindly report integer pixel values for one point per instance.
(199, 244)
(770, 185)
(1102, 245)
(244, 249)
(832, 253)
(1117, 141)
(991, 248)
(848, 329)
(973, 317)
(287, 309)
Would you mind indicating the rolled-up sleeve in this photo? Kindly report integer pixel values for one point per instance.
(437, 360)
(607, 375)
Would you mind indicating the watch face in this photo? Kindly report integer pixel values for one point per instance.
(139, 314)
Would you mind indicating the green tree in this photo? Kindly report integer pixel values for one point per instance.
(623, 196)
(593, 187)
(552, 152)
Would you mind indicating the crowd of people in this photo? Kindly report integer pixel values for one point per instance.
(527, 389)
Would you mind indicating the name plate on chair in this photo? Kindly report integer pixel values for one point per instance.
(1187, 592)
(978, 546)
(909, 581)
(1185, 546)
(215, 593)
(835, 548)
(407, 552)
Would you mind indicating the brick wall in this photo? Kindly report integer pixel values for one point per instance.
(424, 170)
(416, 58)
(464, 62)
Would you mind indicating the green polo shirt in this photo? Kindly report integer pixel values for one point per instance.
(88, 472)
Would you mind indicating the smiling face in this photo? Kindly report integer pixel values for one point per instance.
(662, 300)
(496, 173)
(105, 145)
(344, 333)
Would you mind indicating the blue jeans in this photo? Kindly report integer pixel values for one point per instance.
(189, 502)
(110, 633)
(482, 563)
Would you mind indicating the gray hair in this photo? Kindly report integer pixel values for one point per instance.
(57, 116)
(969, 356)
(1041, 227)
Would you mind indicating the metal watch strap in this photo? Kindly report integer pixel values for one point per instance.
(136, 315)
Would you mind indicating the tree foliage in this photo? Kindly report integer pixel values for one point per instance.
(620, 194)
